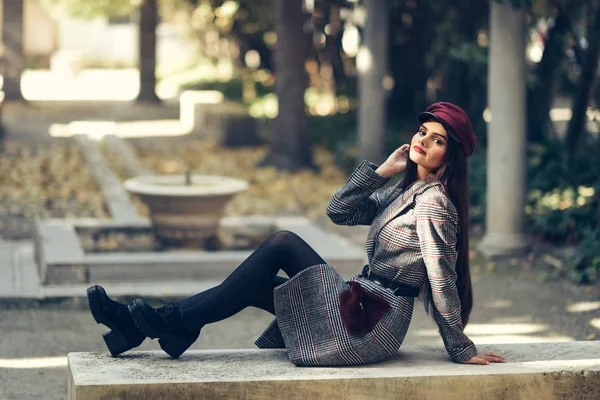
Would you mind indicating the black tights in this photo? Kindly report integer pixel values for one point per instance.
(252, 283)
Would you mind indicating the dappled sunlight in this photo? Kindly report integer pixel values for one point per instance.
(37, 362)
(505, 333)
(565, 114)
(123, 85)
(595, 323)
(584, 306)
(90, 84)
(265, 107)
(128, 129)
(560, 114)
(559, 199)
(364, 60)
(351, 40)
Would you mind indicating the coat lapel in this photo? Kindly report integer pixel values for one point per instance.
(399, 205)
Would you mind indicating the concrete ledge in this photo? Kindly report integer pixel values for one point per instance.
(533, 371)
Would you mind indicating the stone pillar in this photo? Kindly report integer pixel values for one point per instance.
(372, 61)
(506, 158)
(12, 54)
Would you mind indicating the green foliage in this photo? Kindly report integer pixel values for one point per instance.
(337, 133)
(562, 201)
(232, 90)
(473, 54)
(86, 9)
(561, 204)
(586, 261)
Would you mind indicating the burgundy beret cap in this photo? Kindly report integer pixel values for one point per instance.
(456, 122)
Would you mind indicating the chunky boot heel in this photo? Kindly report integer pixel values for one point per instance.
(124, 334)
(173, 347)
(116, 342)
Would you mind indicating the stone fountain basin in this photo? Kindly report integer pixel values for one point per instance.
(185, 212)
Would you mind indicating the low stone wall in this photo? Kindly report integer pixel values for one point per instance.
(207, 113)
(533, 371)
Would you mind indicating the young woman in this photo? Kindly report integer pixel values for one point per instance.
(418, 244)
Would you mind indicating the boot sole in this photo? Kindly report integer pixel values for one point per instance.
(115, 339)
(171, 344)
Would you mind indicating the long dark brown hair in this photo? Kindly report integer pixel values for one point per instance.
(453, 174)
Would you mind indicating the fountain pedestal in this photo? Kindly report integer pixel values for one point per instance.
(182, 213)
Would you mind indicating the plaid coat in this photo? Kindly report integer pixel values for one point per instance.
(412, 240)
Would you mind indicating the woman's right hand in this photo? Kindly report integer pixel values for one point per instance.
(486, 358)
(396, 162)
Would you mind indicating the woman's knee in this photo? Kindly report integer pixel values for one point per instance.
(285, 238)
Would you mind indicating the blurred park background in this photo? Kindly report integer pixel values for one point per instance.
(289, 96)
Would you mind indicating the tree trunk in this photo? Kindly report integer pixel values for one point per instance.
(290, 148)
(147, 21)
(585, 86)
(408, 48)
(12, 40)
(333, 45)
(372, 67)
(542, 94)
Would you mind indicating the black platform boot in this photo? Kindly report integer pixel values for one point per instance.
(124, 334)
(164, 323)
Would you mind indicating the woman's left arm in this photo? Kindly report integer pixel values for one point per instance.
(437, 226)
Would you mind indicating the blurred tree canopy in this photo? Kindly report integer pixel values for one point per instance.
(437, 50)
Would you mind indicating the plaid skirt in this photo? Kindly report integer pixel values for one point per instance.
(308, 322)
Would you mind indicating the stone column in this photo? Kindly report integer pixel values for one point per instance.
(372, 62)
(12, 41)
(506, 158)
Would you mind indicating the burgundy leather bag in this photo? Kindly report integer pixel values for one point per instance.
(361, 310)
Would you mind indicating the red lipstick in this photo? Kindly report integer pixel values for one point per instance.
(419, 149)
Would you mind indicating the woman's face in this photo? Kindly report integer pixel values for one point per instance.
(428, 147)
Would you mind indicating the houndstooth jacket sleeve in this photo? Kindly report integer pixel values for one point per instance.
(355, 203)
(437, 225)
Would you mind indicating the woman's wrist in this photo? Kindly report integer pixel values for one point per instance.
(385, 171)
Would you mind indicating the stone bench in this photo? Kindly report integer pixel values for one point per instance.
(533, 371)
